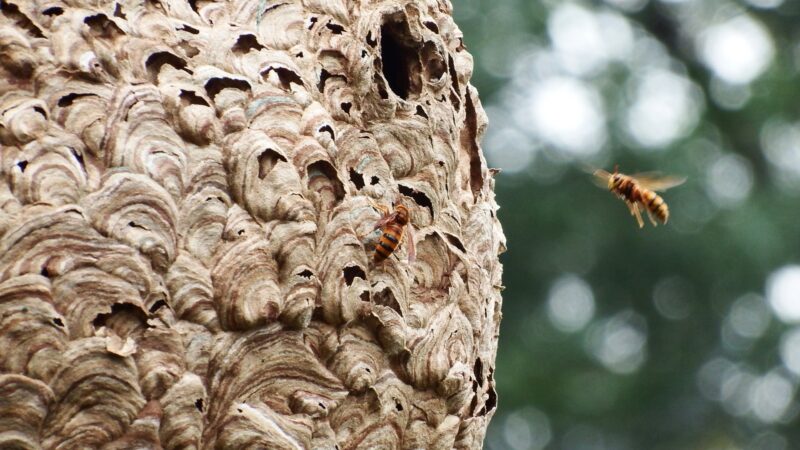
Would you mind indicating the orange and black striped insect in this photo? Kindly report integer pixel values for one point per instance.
(394, 226)
(639, 189)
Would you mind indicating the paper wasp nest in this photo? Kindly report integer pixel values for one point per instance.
(187, 194)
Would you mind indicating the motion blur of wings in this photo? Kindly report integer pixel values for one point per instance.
(638, 190)
(657, 182)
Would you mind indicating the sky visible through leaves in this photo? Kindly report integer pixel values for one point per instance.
(684, 336)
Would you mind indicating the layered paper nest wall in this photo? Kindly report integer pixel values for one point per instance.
(187, 194)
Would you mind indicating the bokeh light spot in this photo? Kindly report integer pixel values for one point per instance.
(570, 304)
(748, 316)
(567, 114)
(737, 383)
(619, 343)
(781, 144)
(783, 293)
(672, 297)
(711, 375)
(747, 320)
(729, 96)
(738, 50)
(771, 396)
(584, 41)
(527, 429)
(729, 180)
(665, 107)
(790, 350)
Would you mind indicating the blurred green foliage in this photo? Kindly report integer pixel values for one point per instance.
(613, 337)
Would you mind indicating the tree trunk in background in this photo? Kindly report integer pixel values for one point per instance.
(186, 215)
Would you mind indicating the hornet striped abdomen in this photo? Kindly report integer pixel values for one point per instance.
(393, 228)
(640, 190)
(391, 234)
(655, 205)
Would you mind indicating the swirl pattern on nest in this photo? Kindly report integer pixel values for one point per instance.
(188, 199)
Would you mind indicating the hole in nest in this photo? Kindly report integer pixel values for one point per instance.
(330, 182)
(479, 371)
(157, 60)
(157, 305)
(306, 274)
(357, 179)
(456, 242)
(191, 98)
(327, 129)
(245, 43)
(102, 319)
(385, 297)
(421, 112)
(40, 110)
(346, 107)
(399, 56)
(55, 11)
(102, 27)
(371, 40)
(351, 273)
(321, 405)
(189, 29)
(469, 140)
(364, 296)
(311, 21)
(44, 272)
(118, 12)
(267, 161)
(382, 92)
(199, 404)
(474, 402)
(431, 26)
(419, 197)
(22, 165)
(215, 85)
(434, 64)
(454, 99)
(335, 28)
(68, 99)
(323, 77)
(285, 76)
(133, 224)
(374, 180)
(398, 406)
(490, 404)
(58, 322)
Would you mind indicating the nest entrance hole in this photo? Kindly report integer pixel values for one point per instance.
(400, 57)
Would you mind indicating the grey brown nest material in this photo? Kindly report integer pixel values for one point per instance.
(186, 227)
